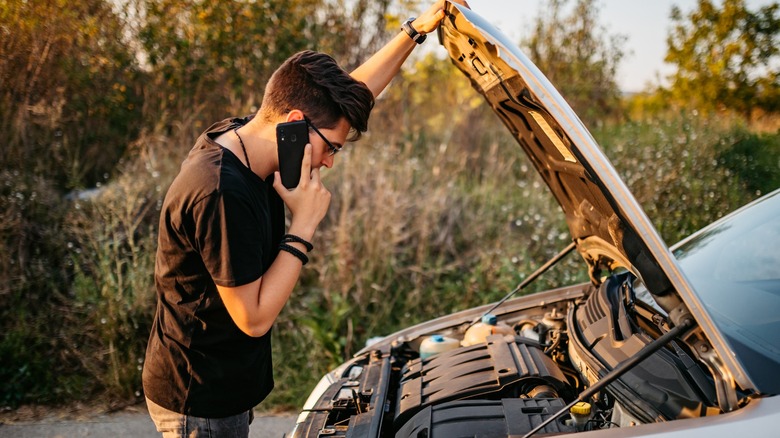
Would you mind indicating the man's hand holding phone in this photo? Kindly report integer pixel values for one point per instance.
(308, 202)
(291, 138)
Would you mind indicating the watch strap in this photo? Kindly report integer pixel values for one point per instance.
(417, 37)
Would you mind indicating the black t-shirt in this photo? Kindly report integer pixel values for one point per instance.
(220, 224)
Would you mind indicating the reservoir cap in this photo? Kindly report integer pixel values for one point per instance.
(581, 408)
(489, 319)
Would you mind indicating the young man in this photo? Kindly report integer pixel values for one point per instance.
(225, 265)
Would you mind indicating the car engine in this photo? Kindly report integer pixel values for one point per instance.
(509, 382)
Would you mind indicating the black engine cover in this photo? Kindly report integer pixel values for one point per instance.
(503, 367)
(485, 419)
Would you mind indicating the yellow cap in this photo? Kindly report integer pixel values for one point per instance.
(581, 408)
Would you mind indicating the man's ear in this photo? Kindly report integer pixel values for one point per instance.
(294, 115)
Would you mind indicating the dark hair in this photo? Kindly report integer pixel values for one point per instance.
(314, 83)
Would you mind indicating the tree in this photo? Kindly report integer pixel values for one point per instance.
(207, 57)
(580, 57)
(727, 57)
(69, 101)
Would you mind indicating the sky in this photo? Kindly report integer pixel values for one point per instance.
(645, 24)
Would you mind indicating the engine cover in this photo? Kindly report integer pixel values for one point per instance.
(502, 367)
(485, 418)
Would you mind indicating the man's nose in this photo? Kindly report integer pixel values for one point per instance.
(328, 161)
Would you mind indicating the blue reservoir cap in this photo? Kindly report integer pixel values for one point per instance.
(489, 319)
(437, 338)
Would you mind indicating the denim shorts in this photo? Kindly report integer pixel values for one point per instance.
(174, 425)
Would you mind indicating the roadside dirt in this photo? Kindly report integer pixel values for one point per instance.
(73, 412)
(80, 420)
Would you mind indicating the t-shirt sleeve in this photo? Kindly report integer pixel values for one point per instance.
(228, 237)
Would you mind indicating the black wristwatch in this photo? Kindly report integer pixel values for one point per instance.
(417, 37)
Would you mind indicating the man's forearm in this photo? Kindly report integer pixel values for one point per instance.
(255, 306)
(380, 68)
(277, 285)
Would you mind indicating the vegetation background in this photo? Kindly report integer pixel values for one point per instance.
(435, 210)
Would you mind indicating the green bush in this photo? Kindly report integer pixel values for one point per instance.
(113, 290)
(78, 288)
(32, 279)
(754, 159)
(112, 296)
(671, 166)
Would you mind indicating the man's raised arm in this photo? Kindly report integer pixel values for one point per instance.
(381, 67)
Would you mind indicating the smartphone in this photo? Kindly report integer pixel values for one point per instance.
(291, 139)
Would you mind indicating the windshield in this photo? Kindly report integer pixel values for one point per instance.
(734, 266)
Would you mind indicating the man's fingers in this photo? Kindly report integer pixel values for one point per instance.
(315, 176)
(306, 164)
(429, 22)
(277, 185)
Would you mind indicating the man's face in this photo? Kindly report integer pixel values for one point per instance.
(321, 153)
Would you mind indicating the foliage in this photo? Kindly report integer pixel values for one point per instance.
(754, 159)
(111, 299)
(727, 57)
(580, 57)
(33, 248)
(77, 308)
(51, 54)
(193, 48)
(671, 166)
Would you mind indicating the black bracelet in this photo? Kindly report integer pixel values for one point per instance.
(294, 251)
(293, 238)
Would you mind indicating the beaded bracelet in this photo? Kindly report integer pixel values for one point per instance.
(293, 238)
(294, 251)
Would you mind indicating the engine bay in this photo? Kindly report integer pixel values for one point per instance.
(522, 368)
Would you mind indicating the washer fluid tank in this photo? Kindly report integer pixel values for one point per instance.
(478, 333)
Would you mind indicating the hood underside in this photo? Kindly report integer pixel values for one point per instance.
(606, 222)
(594, 201)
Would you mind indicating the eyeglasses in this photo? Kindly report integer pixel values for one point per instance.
(331, 147)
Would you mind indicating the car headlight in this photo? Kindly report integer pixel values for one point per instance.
(325, 382)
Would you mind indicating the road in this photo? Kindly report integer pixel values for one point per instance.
(129, 423)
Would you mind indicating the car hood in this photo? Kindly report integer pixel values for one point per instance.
(606, 222)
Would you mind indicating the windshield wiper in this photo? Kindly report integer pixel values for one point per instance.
(529, 280)
(619, 370)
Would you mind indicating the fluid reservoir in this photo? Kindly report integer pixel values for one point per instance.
(436, 344)
(580, 414)
(489, 325)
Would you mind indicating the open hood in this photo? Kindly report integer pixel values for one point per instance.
(606, 222)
